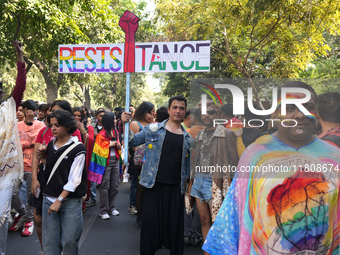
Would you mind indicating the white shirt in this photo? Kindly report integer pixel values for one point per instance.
(76, 170)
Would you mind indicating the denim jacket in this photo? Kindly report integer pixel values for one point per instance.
(153, 136)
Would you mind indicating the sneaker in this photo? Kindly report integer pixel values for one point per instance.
(104, 216)
(115, 212)
(132, 209)
(41, 252)
(19, 221)
(28, 229)
(91, 203)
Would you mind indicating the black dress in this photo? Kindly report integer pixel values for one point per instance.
(163, 204)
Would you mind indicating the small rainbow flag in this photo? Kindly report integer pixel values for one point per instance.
(99, 160)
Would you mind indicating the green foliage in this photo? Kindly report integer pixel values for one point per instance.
(109, 90)
(35, 88)
(44, 24)
(256, 38)
(324, 72)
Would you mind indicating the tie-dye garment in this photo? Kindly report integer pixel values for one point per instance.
(296, 212)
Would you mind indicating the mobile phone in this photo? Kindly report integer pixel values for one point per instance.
(38, 192)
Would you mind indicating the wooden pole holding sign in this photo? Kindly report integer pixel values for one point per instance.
(129, 23)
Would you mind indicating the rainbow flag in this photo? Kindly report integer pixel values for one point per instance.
(99, 160)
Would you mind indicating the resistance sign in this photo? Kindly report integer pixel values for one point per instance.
(190, 56)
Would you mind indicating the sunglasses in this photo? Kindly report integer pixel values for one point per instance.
(211, 112)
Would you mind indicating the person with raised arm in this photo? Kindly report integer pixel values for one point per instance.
(11, 161)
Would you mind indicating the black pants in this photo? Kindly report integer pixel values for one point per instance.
(192, 223)
(162, 219)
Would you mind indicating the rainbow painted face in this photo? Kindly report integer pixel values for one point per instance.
(301, 126)
(310, 106)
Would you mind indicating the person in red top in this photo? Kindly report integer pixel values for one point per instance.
(329, 117)
(28, 130)
(87, 132)
(44, 137)
(10, 148)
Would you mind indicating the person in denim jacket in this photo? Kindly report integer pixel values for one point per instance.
(164, 172)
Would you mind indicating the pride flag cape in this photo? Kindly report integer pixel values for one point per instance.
(99, 159)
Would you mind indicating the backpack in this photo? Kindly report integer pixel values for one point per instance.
(333, 138)
(138, 158)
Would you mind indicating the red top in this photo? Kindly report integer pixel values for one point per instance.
(90, 144)
(49, 137)
(20, 84)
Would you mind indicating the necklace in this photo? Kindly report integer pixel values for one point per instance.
(205, 158)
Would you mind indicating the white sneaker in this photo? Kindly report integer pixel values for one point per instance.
(104, 216)
(115, 212)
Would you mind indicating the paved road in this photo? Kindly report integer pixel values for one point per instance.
(117, 236)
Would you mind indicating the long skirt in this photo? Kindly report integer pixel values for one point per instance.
(162, 219)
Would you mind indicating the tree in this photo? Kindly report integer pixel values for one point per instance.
(44, 24)
(259, 38)
(109, 90)
(324, 72)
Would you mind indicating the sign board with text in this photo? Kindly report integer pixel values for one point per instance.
(189, 56)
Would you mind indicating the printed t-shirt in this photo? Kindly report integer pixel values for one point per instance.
(294, 212)
(28, 135)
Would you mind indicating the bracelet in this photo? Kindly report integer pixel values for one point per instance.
(84, 133)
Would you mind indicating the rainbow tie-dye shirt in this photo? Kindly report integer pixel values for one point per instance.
(291, 212)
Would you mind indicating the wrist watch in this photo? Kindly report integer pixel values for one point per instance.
(60, 199)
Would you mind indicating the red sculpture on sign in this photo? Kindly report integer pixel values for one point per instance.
(129, 23)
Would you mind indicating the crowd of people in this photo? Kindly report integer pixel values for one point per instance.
(179, 192)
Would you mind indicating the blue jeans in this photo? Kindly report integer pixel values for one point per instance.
(133, 190)
(23, 192)
(5, 207)
(66, 226)
(93, 191)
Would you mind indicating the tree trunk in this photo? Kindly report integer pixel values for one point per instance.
(87, 97)
(51, 91)
(257, 98)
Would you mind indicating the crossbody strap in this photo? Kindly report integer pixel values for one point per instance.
(60, 159)
(333, 138)
(45, 132)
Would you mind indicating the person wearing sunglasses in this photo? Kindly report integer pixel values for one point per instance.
(214, 146)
